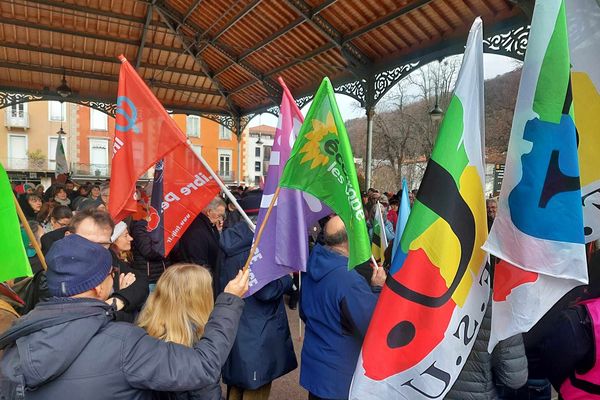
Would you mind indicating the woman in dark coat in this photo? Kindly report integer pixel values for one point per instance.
(131, 289)
(145, 258)
(263, 349)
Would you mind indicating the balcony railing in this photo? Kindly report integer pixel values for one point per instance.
(226, 176)
(16, 120)
(24, 164)
(92, 170)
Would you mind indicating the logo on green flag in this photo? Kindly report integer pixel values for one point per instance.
(322, 164)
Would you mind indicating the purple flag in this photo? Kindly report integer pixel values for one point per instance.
(283, 248)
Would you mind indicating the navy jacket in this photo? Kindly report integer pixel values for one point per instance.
(336, 305)
(95, 358)
(263, 349)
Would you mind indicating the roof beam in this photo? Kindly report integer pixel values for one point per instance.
(323, 6)
(264, 42)
(90, 57)
(310, 55)
(411, 6)
(271, 88)
(86, 35)
(251, 6)
(88, 10)
(191, 10)
(167, 19)
(100, 77)
(350, 52)
(138, 58)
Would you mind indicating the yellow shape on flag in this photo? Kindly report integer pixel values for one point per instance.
(312, 147)
(587, 119)
(443, 247)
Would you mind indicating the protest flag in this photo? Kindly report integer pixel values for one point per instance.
(144, 133)
(322, 165)
(398, 254)
(583, 18)
(182, 188)
(379, 239)
(429, 312)
(293, 212)
(61, 167)
(15, 263)
(538, 231)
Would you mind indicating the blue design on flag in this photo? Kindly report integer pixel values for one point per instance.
(548, 193)
(398, 256)
(130, 118)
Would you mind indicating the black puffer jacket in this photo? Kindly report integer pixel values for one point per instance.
(134, 296)
(145, 258)
(507, 365)
(92, 357)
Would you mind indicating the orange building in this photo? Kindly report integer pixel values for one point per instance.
(93, 153)
(216, 144)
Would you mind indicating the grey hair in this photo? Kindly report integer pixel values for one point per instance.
(335, 238)
(215, 203)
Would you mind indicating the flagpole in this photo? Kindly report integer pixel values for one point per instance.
(226, 190)
(30, 234)
(262, 227)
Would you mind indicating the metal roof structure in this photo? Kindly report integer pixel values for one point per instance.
(221, 58)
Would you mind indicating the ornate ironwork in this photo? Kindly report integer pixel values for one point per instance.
(8, 99)
(386, 80)
(302, 101)
(273, 110)
(107, 108)
(226, 120)
(511, 44)
(356, 90)
(245, 120)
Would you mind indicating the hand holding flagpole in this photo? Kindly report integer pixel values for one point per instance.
(261, 228)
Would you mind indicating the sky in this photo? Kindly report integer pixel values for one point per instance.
(493, 65)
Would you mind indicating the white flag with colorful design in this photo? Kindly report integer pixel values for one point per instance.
(583, 21)
(430, 310)
(538, 231)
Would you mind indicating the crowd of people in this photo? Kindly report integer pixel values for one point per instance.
(111, 318)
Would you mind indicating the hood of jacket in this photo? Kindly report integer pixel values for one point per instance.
(41, 345)
(236, 239)
(323, 260)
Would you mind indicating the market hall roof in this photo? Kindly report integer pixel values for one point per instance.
(224, 56)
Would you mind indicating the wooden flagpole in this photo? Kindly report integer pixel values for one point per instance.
(30, 234)
(262, 227)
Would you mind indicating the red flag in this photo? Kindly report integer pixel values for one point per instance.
(144, 133)
(182, 188)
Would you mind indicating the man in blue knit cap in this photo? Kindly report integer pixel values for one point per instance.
(70, 347)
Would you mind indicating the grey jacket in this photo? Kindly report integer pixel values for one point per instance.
(92, 357)
(507, 364)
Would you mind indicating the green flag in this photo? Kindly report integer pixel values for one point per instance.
(14, 262)
(322, 165)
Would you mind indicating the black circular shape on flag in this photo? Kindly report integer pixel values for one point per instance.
(401, 334)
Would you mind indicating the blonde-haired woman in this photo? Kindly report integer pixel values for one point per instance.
(177, 312)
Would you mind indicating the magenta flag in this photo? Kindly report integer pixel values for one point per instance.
(283, 248)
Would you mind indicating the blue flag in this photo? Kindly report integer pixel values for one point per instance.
(155, 212)
(398, 255)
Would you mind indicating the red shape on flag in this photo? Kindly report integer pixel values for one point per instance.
(188, 187)
(144, 133)
(384, 352)
(507, 277)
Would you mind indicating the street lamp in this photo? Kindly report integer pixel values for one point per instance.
(436, 112)
(64, 90)
(259, 141)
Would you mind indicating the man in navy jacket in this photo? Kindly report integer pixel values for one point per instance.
(336, 305)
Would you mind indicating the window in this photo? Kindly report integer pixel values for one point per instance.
(192, 126)
(225, 163)
(224, 133)
(99, 157)
(196, 148)
(257, 166)
(52, 141)
(98, 120)
(18, 110)
(56, 111)
(17, 151)
(257, 152)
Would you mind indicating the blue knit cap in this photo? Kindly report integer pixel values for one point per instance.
(76, 265)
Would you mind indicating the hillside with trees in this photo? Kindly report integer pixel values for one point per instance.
(404, 133)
